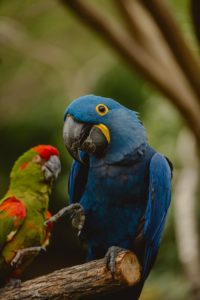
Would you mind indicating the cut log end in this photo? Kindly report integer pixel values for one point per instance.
(128, 268)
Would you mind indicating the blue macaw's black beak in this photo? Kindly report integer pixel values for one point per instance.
(85, 137)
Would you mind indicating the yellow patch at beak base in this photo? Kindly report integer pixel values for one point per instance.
(104, 129)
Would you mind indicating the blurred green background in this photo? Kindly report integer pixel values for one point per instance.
(47, 58)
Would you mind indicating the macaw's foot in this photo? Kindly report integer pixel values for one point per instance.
(17, 260)
(76, 213)
(78, 218)
(110, 258)
(13, 282)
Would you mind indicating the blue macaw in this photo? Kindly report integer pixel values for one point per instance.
(123, 185)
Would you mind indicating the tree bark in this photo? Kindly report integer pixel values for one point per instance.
(79, 281)
(176, 41)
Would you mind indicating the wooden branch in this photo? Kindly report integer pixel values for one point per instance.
(118, 39)
(135, 56)
(143, 30)
(79, 281)
(175, 39)
(148, 35)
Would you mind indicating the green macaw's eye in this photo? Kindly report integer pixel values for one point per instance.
(102, 109)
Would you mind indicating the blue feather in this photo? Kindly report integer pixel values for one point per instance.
(158, 202)
(125, 193)
(77, 179)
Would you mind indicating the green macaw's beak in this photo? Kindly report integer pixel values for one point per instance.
(84, 137)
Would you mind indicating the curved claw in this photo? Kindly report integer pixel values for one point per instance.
(13, 283)
(77, 215)
(78, 218)
(110, 258)
(20, 254)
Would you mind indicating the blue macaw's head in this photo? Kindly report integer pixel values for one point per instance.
(102, 127)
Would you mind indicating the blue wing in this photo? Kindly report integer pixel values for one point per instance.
(78, 179)
(159, 197)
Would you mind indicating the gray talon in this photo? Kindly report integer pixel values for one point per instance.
(76, 213)
(20, 254)
(110, 258)
(78, 219)
(14, 283)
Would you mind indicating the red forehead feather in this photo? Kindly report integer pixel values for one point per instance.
(45, 151)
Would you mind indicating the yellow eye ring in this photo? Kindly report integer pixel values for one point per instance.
(102, 109)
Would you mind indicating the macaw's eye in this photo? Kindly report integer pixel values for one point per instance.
(102, 109)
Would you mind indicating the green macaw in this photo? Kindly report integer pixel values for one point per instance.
(24, 209)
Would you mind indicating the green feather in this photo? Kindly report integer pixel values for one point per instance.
(28, 185)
